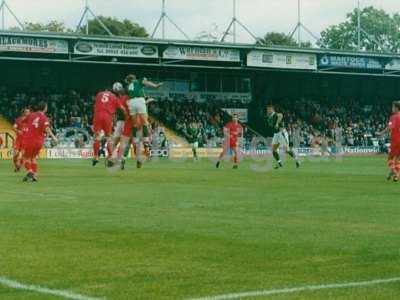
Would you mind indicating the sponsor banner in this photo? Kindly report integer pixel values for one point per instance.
(159, 153)
(69, 153)
(308, 151)
(202, 53)
(199, 96)
(32, 44)
(116, 49)
(176, 153)
(241, 112)
(353, 62)
(393, 65)
(7, 154)
(282, 60)
(361, 150)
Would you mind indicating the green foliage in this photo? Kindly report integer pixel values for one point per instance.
(117, 27)
(380, 28)
(52, 26)
(280, 39)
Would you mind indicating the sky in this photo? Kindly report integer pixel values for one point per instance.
(197, 16)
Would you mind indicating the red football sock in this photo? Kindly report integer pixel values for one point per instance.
(397, 168)
(34, 167)
(96, 148)
(15, 161)
(235, 159)
(392, 165)
(28, 166)
(109, 149)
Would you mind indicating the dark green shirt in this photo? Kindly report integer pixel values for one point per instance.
(136, 89)
(193, 135)
(272, 123)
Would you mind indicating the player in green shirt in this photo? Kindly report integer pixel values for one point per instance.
(138, 110)
(192, 135)
(276, 126)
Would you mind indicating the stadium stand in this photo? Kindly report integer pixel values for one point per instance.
(308, 121)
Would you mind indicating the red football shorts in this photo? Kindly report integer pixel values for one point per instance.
(395, 150)
(32, 149)
(231, 144)
(18, 144)
(128, 127)
(103, 122)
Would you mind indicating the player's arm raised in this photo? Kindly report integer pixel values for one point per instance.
(151, 84)
(50, 133)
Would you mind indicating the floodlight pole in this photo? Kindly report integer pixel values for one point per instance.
(2, 16)
(300, 26)
(232, 25)
(298, 23)
(360, 31)
(85, 17)
(3, 8)
(161, 21)
(358, 26)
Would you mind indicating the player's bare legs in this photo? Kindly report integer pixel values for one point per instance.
(394, 166)
(137, 125)
(144, 120)
(221, 157)
(289, 151)
(124, 150)
(18, 160)
(140, 121)
(31, 167)
(235, 157)
(275, 154)
(96, 148)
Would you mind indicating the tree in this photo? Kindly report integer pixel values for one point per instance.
(52, 26)
(280, 39)
(117, 27)
(380, 32)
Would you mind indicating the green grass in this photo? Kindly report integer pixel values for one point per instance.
(182, 230)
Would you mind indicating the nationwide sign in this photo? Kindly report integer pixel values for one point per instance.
(201, 53)
(353, 62)
(116, 49)
(32, 45)
(393, 65)
(282, 60)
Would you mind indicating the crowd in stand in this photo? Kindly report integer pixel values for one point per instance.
(353, 123)
(308, 122)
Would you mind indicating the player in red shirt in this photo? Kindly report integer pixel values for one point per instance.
(394, 153)
(20, 127)
(124, 126)
(37, 126)
(233, 131)
(104, 109)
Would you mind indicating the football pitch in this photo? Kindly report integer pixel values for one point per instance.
(185, 230)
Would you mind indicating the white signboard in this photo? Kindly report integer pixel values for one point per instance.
(116, 49)
(393, 65)
(32, 45)
(199, 96)
(241, 112)
(282, 60)
(68, 153)
(201, 53)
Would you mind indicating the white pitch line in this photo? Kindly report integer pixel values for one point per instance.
(299, 289)
(41, 194)
(43, 290)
